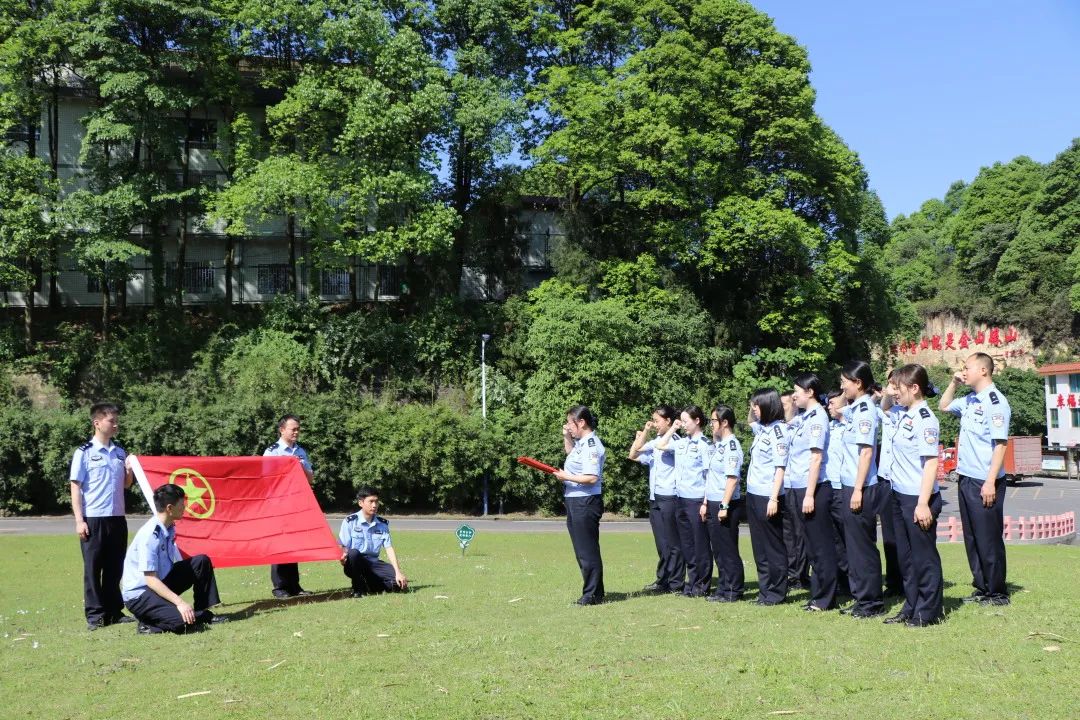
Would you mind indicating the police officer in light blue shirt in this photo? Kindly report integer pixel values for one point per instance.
(834, 469)
(582, 476)
(98, 476)
(670, 567)
(888, 415)
(361, 537)
(155, 573)
(692, 453)
(765, 495)
(916, 500)
(810, 495)
(285, 577)
(861, 493)
(984, 434)
(723, 506)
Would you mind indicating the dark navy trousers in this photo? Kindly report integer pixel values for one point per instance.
(583, 522)
(103, 565)
(983, 528)
(286, 576)
(670, 567)
(694, 541)
(369, 575)
(864, 562)
(767, 540)
(917, 555)
(820, 543)
(837, 512)
(724, 543)
(798, 565)
(161, 615)
(893, 578)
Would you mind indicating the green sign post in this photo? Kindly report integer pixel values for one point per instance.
(464, 536)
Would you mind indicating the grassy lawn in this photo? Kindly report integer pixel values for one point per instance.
(495, 635)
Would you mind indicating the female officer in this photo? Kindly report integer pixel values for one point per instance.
(764, 495)
(859, 478)
(889, 414)
(582, 477)
(670, 569)
(811, 496)
(691, 457)
(723, 506)
(834, 466)
(916, 500)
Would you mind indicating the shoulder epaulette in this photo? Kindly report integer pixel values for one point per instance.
(272, 447)
(383, 520)
(924, 412)
(351, 518)
(592, 442)
(157, 531)
(86, 446)
(778, 431)
(732, 445)
(862, 406)
(994, 398)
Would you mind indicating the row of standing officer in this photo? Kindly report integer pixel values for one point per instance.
(823, 466)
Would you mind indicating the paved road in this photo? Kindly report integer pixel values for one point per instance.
(1035, 496)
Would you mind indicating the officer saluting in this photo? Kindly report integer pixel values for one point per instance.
(582, 477)
(286, 576)
(99, 475)
(361, 537)
(984, 433)
(670, 567)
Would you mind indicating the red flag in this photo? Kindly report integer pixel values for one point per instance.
(243, 510)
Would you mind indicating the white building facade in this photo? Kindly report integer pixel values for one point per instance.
(1061, 386)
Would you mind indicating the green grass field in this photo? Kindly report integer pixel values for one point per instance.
(494, 635)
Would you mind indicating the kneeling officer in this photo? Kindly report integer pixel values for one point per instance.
(361, 537)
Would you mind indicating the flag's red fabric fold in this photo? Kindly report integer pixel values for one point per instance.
(243, 510)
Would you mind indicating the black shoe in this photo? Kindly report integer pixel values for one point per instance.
(995, 600)
(715, 598)
(847, 610)
(812, 608)
(583, 600)
(975, 597)
(652, 588)
(356, 594)
(122, 620)
(93, 625)
(866, 614)
(144, 629)
(897, 619)
(916, 623)
(303, 593)
(765, 603)
(282, 594)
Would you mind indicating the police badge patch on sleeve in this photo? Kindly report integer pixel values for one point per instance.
(864, 427)
(815, 431)
(998, 420)
(930, 435)
(781, 449)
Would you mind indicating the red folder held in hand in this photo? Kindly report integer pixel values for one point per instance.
(537, 465)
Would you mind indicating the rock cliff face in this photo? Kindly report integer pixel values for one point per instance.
(948, 340)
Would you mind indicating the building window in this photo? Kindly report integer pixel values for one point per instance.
(1074, 417)
(198, 278)
(273, 279)
(93, 284)
(391, 280)
(1051, 382)
(1074, 382)
(202, 134)
(1054, 421)
(335, 282)
(21, 134)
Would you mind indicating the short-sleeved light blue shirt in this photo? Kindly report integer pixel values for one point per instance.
(860, 432)
(915, 439)
(984, 420)
(810, 433)
(834, 465)
(100, 472)
(726, 461)
(691, 461)
(888, 419)
(768, 452)
(661, 464)
(586, 458)
(280, 449)
(153, 550)
(364, 536)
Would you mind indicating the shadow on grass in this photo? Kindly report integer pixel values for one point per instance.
(271, 605)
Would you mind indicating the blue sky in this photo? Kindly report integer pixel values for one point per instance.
(927, 92)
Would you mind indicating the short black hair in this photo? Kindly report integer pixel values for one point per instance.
(666, 411)
(723, 412)
(810, 383)
(859, 371)
(167, 495)
(986, 360)
(365, 491)
(103, 409)
(582, 412)
(768, 402)
(286, 418)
